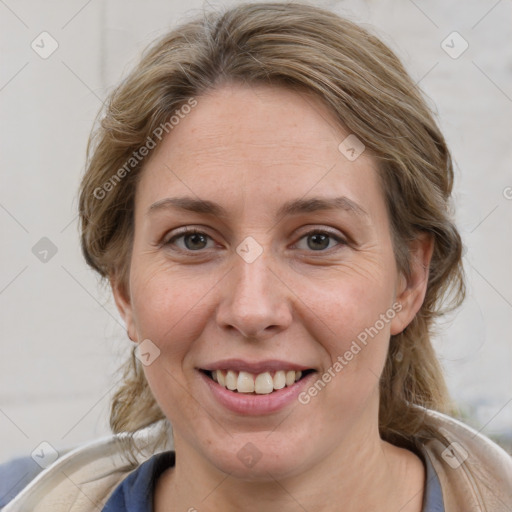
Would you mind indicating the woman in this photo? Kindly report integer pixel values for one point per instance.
(269, 198)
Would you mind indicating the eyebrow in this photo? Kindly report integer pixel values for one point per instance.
(292, 207)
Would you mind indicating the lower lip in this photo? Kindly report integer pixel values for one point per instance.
(252, 404)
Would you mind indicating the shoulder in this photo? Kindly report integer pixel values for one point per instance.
(15, 475)
(83, 479)
(473, 471)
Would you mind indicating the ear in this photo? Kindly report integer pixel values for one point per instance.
(124, 306)
(411, 290)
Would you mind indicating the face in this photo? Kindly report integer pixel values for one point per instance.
(287, 267)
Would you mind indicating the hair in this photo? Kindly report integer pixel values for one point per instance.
(366, 88)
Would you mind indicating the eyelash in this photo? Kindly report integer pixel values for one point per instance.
(192, 231)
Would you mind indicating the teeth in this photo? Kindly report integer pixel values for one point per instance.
(231, 380)
(279, 379)
(245, 383)
(261, 384)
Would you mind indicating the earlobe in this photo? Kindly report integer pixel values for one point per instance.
(411, 289)
(124, 306)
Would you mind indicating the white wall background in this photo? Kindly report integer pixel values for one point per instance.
(61, 338)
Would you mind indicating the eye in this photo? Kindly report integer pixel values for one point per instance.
(190, 239)
(194, 240)
(318, 240)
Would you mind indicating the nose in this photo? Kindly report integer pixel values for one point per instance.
(255, 302)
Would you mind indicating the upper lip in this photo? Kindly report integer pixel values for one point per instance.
(254, 367)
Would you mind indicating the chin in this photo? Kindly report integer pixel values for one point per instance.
(257, 458)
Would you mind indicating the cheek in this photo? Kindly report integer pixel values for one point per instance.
(353, 315)
(171, 304)
(355, 339)
(169, 311)
(349, 302)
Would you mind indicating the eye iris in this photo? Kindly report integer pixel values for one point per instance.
(319, 238)
(196, 238)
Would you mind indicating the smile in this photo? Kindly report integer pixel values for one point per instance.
(261, 383)
(255, 388)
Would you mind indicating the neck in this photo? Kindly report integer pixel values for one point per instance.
(362, 473)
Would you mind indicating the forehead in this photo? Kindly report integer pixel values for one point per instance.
(254, 144)
(279, 123)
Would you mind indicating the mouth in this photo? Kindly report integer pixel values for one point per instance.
(263, 383)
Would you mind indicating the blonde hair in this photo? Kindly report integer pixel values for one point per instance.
(366, 87)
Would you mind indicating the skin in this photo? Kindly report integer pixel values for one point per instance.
(251, 149)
